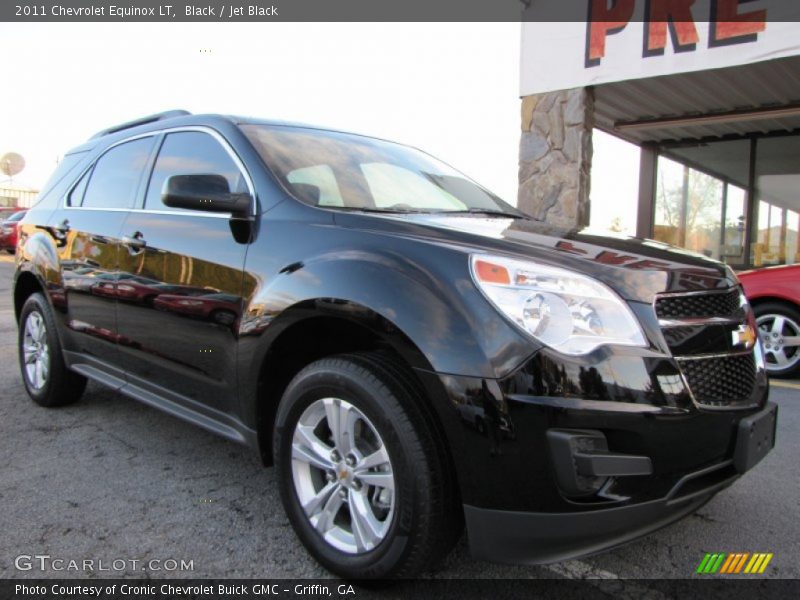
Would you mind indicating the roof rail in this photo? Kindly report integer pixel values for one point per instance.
(142, 121)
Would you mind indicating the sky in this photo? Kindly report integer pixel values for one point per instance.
(451, 89)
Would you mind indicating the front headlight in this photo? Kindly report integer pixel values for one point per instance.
(568, 312)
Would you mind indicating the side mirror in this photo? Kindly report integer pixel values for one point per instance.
(206, 192)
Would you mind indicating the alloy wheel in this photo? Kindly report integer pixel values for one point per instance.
(36, 351)
(343, 475)
(780, 336)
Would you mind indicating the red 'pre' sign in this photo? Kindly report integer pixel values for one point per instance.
(728, 24)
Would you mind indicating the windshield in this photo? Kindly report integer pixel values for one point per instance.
(345, 171)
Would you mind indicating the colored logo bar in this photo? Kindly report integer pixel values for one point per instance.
(734, 562)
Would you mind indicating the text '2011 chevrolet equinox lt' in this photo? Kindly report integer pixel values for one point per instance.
(411, 353)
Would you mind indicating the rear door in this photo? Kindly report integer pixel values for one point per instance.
(87, 228)
(182, 283)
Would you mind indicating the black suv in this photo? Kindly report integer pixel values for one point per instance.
(411, 352)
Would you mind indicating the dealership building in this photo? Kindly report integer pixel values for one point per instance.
(710, 95)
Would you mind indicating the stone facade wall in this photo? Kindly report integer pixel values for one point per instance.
(555, 156)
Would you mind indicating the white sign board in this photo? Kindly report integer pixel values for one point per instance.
(633, 39)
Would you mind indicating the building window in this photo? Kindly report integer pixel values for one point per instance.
(777, 180)
(701, 198)
(689, 208)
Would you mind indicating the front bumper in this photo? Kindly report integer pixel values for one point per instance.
(542, 537)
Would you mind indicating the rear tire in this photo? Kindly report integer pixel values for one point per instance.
(412, 521)
(779, 330)
(47, 379)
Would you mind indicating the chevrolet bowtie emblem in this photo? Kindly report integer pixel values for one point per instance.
(744, 335)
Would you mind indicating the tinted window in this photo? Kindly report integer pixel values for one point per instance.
(64, 168)
(328, 168)
(191, 153)
(391, 185)
(324, 184)
(76, 195)
(116, 175)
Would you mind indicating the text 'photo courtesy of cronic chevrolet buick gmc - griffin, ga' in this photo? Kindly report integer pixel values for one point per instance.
(415, 356)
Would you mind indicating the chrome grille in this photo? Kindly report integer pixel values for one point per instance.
(697, 328)
(721, 381)
(699, 306)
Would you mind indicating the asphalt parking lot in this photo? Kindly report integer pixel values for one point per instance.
(112, 479)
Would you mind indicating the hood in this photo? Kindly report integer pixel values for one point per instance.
(636, 268)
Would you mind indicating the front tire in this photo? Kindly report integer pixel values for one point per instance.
(47, 379)
(779, 330)
(361, 478)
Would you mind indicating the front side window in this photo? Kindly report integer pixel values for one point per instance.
(191, 153)
(346, 171)
(115, 177)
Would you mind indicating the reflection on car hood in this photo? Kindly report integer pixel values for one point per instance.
(637, 268)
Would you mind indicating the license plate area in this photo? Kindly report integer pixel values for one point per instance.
(756, 437)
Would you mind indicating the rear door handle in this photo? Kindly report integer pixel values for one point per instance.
(135, 241)
(60, 231)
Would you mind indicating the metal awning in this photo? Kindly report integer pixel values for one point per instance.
(762, 97)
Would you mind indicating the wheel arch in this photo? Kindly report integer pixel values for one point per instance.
(25, 284)
(38, 270)
(760, 300)
(347, 328)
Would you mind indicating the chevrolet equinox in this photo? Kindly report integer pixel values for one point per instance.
(411, 353)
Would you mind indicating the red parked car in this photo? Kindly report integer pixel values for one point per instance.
(8, 231)
(774, 293)
(7, 211)
(221, 308)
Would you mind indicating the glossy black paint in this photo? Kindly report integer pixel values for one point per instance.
(208, 318)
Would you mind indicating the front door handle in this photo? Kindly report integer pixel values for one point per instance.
(135, 241)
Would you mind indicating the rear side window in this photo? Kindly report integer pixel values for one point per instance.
(75, 197)
(115, 177)
(191, 153)
(64, 168)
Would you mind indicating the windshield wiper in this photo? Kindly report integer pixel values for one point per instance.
(371, 210)
(426, 211)
(485, 211)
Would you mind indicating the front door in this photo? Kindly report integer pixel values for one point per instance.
(180, 282)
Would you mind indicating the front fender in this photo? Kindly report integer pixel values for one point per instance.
(431, 300)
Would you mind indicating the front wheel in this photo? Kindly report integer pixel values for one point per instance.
(360, 474)
(47, 379)
(779, 330)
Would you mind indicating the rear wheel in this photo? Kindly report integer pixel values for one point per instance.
(47, 379)
(779, 330)
(361, 477)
